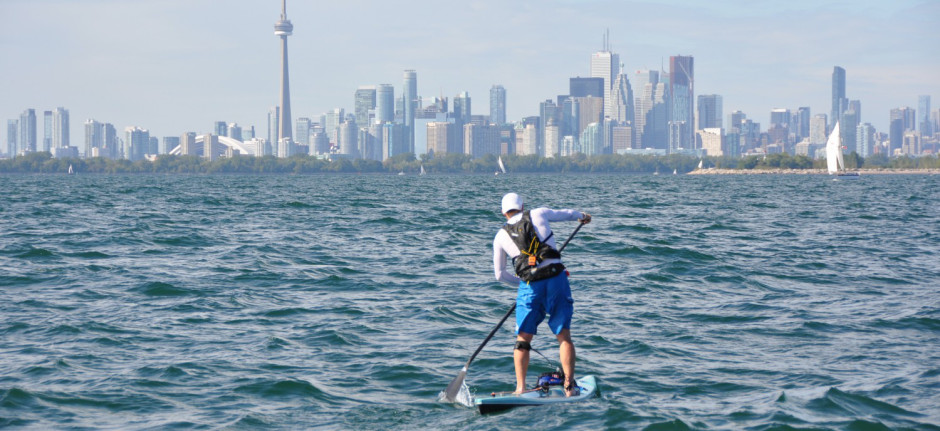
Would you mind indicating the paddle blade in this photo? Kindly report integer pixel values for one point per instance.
(450, 394)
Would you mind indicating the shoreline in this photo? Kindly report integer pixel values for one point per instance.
(717, 171)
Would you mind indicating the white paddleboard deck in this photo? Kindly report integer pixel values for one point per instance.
(554, 395)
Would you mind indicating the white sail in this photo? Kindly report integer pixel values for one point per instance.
(502, 168)
(834, 151)
(700, 163)
(422, 170)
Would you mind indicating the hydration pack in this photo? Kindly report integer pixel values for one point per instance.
(532, 251)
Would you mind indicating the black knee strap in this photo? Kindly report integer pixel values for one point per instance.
(523, 345)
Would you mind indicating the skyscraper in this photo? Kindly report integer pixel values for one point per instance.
(46, 131)
(584, 87)
(384, 103)
(709, 111)
(27, 135)
(274, 121)
(839, 102)
(923, 116)
(60, 128)
(136, 143)
(282, 29)
(304, 125)
(622, 100)
(801, 126)
(94, 138)
(865, 139)
(410, 97)
(498, 105)
(818, 133)
(12, 129)
(604, 65)
(681, 92)
(364, 102)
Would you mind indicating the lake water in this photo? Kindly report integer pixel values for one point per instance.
(350, 302)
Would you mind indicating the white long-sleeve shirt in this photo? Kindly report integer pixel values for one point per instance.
(503, 245)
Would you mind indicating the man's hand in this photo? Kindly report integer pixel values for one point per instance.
(586, 219)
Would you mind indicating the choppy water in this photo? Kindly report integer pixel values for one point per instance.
(350, 302)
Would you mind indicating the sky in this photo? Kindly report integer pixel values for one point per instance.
(175, 66)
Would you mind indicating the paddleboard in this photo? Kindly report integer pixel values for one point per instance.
(498, 401)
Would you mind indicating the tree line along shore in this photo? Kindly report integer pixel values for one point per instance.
(44, 163)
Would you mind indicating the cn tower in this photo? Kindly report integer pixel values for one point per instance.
(283, 28)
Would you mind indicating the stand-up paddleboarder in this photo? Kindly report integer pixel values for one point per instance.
(528, 240)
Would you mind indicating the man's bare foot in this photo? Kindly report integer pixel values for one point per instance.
(572, 390)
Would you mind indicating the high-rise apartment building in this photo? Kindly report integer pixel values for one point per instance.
(923, 116)
(47, 130)
(12, 131)
(136, 143)
(410, 98)
(302, 136)
(169, 143)
(220, 128)
(818, 130)
(349, 139)
(364, 103)
(682, 106)
(234, 131)
(27, 134)
(839, 102)
(865, 140)
(709, 111)
(800, 125)
(734, 120)
(384, 103)
(94, 138)
(60, 128)
(274, 122)
(498, 105)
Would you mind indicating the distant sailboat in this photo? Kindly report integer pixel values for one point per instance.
(422, 171)
(675, 172)
(502, 168)
(71, 171)
(835, 164)
(700, 163)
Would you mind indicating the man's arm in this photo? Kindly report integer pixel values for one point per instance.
(499, 265)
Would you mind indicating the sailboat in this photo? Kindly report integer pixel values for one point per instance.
(700, 162)
(835, 164)
(71, 171)
(502, 168)
(422, 171)
(675, 172)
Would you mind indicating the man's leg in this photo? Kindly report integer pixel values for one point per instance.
(567, 357)
(520, 357)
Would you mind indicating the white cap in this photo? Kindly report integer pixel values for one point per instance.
(511, 202)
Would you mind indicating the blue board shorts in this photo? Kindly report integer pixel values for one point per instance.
(550, 296)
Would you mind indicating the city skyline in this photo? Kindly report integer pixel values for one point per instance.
(181, 66)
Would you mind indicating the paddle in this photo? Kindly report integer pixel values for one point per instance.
(450, 394)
